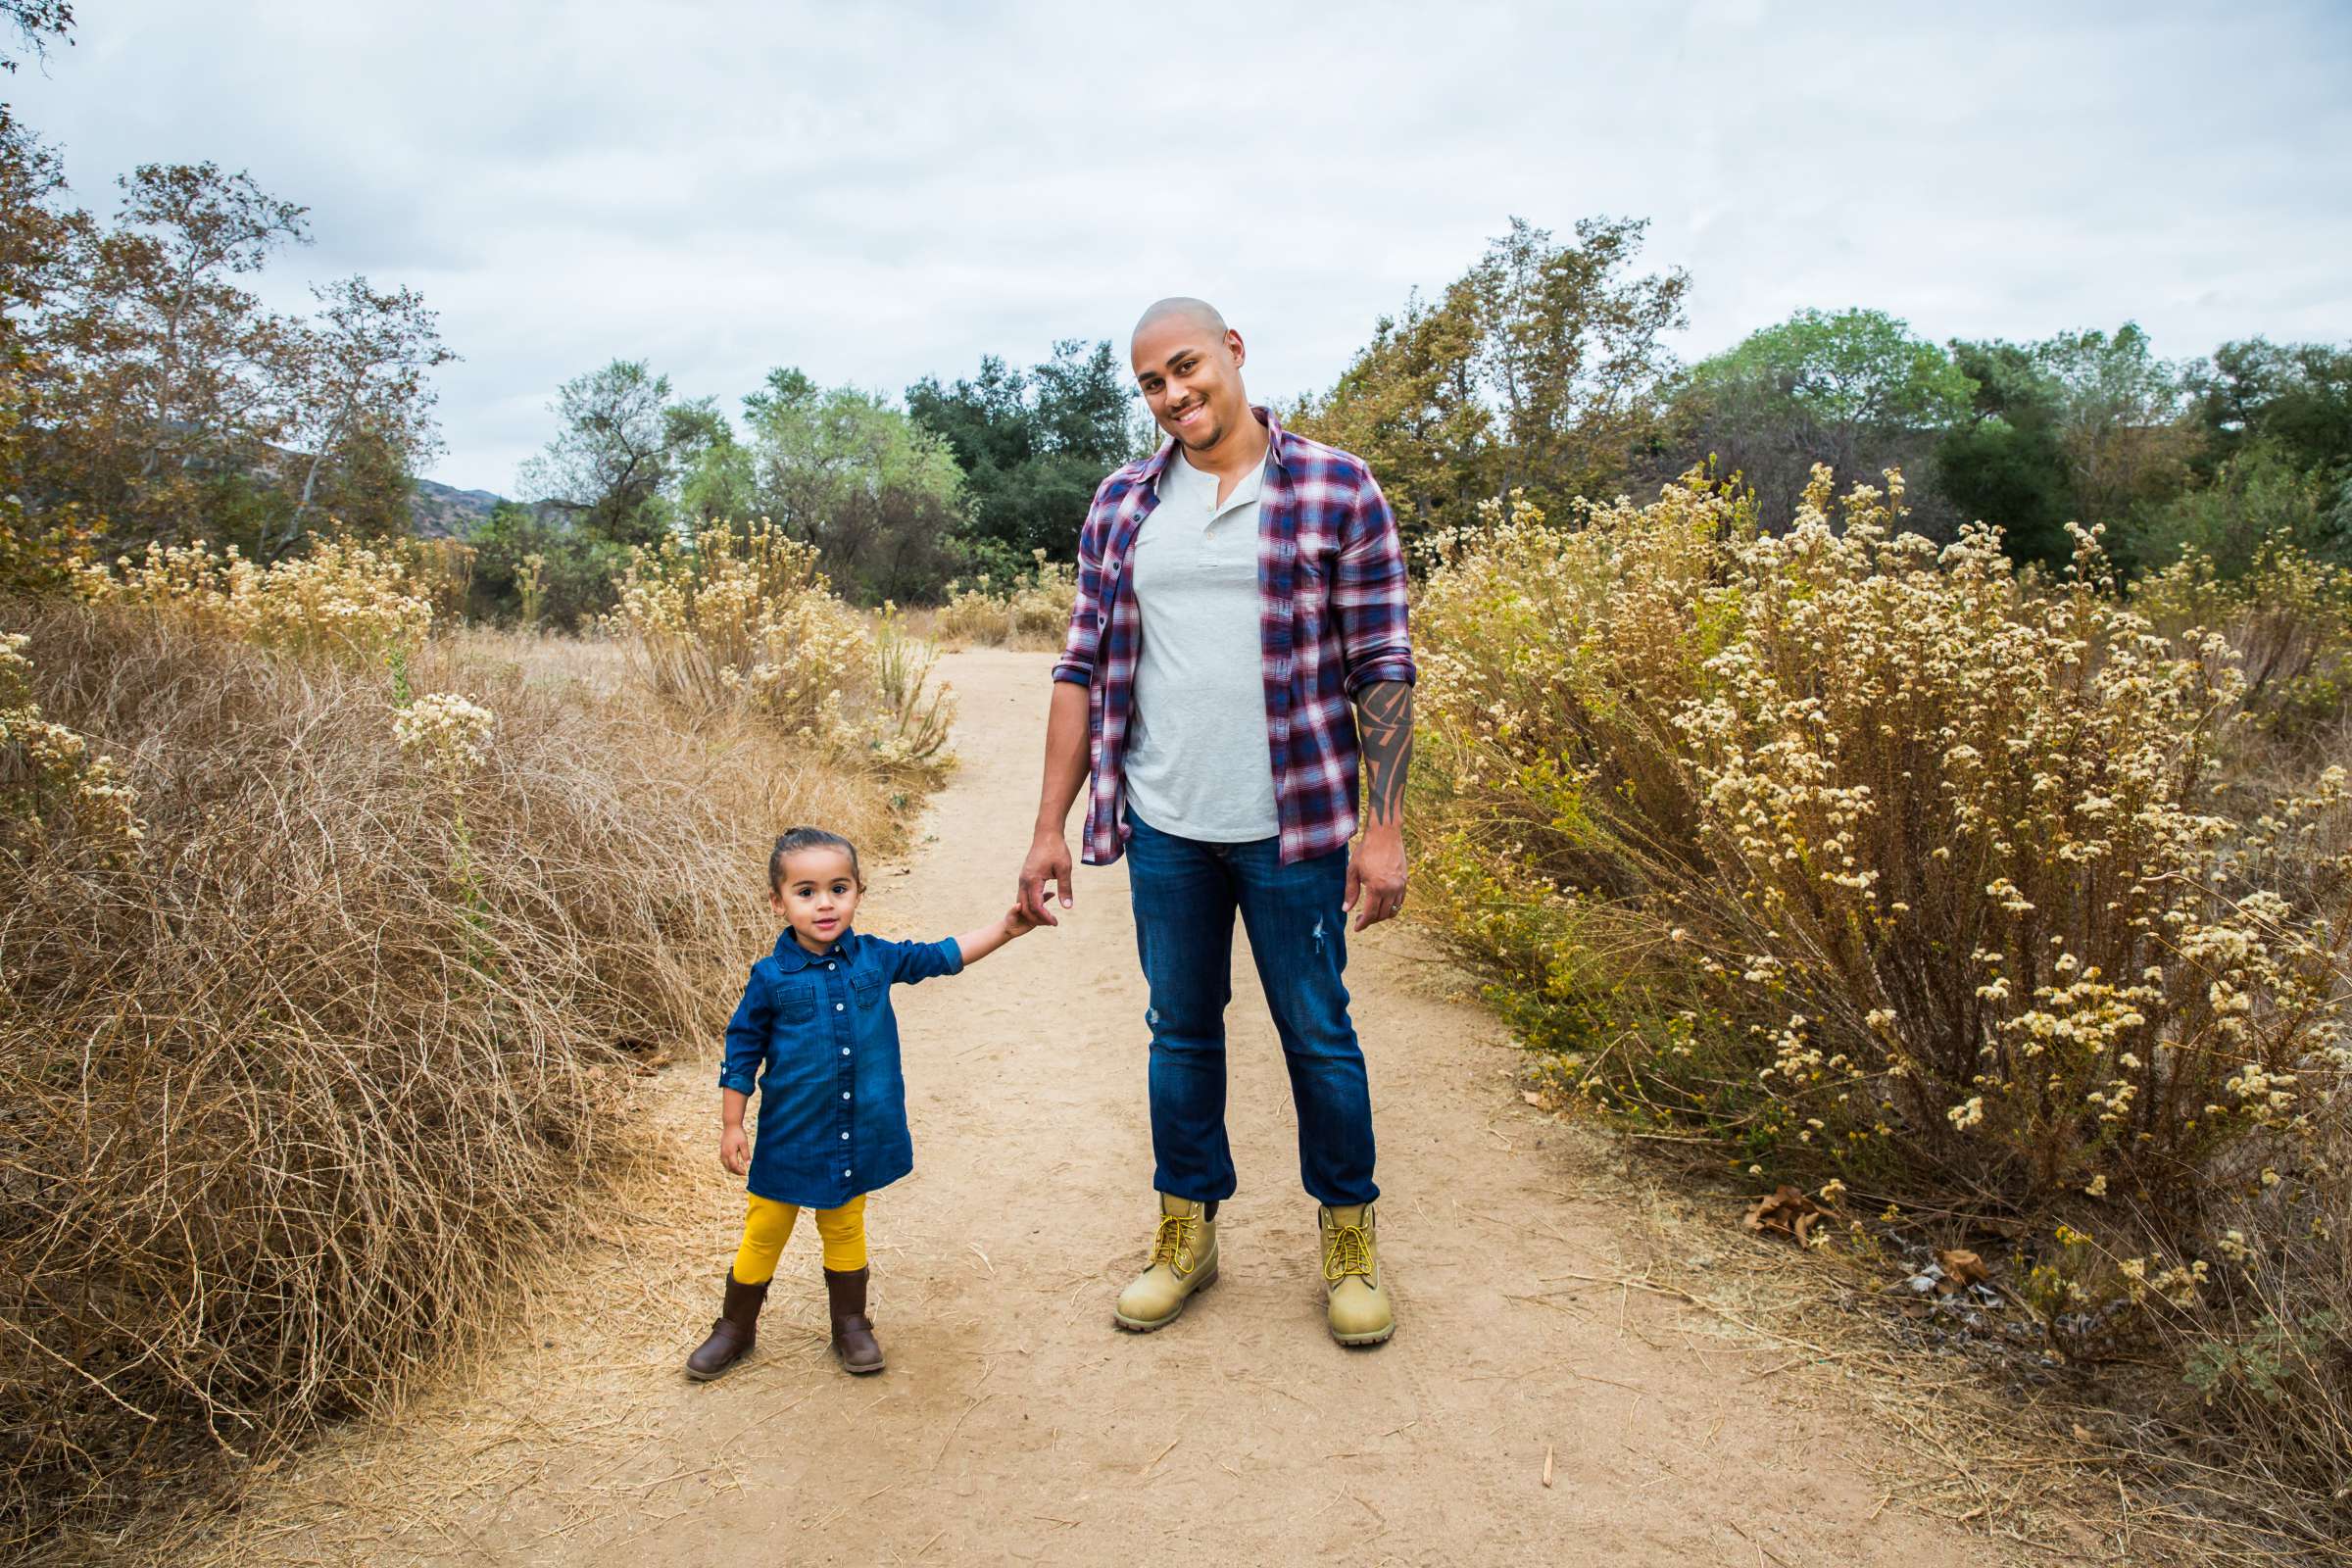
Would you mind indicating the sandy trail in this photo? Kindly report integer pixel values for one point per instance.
(1015, 1424)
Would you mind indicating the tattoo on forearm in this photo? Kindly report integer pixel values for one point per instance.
(1385, 719)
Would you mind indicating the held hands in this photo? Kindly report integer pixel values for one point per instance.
(735, 1151)
(1017, 922)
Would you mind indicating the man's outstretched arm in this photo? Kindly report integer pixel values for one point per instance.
(1384, 722)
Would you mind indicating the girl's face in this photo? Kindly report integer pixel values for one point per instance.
(818, 894)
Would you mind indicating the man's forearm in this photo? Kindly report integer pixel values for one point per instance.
(1066, 754)
(1384, 722)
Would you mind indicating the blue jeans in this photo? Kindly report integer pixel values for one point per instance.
(1185, 893)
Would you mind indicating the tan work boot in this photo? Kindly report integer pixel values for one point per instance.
(1358, 1308)
(1184, 1259)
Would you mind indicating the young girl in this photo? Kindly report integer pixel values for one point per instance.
(815, 1025)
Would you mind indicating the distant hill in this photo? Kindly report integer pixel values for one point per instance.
(443, 512)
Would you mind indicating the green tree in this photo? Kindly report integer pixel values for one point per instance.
(1856, 389)
(167, 379)
(2297, 396)
(713, 469)
(2122, 420)
(2002, 462)
(613, 458)
(1032, 446)
(879, 495)
(532, 566)
(1539, 368)
(362, 415)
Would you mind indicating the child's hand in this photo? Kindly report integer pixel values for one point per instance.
(735, 1151)
(1017, 922)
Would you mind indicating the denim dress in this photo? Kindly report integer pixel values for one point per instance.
(817, 1031)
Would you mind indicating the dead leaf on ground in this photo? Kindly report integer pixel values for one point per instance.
(1787, 1211)
(1961, 1269)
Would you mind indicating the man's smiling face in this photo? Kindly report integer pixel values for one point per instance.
(1189, 370)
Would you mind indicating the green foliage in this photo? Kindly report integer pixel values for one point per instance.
(2267, 1361)
(1033, 446)
(2294, 397)
(611, 462)
(2258, 499)
(1854, 389)
(1851, 369)
(878, 494)
(1538, 370)
(2001, 463)
(533, 568)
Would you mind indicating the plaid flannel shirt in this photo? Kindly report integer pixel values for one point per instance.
(1331, 586)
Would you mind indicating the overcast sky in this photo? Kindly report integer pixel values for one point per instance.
(876, 192)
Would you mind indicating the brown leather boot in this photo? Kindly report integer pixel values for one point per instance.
(853, 1330)
(732, 1334)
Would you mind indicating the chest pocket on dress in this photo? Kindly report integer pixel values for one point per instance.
(796, 1001)
(866, 990)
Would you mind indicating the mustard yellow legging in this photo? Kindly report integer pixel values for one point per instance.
(767, 1226)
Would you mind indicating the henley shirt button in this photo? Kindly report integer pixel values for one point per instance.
(845, 1170)
(837, 1006)
(845, 1138)
(845, 1093)
(828, 966)
(844, 1051)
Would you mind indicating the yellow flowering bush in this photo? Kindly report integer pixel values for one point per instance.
(1034, 604)
(1853, 849)
(2288, 620)
(746, 616)
(55, 792)
(342, 600)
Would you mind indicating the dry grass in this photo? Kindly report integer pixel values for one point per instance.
(285, 1106)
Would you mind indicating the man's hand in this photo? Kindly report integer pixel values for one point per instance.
(735, 1151)
(1049, 862)
(1376, 876)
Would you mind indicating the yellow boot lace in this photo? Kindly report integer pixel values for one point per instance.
(1172, 1244)
(1348, 1251)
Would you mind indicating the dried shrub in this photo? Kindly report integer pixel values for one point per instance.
(343, 599)
(1925, 848)
(2287, 621)
(1031, 607)
(744, 619)
(1867, 861)
(287, 1102)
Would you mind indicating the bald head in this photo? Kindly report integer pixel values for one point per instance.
(1182, 309)
(1188, 365)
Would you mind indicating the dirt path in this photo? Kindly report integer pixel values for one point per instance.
(1015, 1423)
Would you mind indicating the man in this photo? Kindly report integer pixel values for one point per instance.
(1239, 642)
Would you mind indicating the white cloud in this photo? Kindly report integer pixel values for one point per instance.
(879, 193)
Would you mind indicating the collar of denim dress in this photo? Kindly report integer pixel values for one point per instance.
(790, 956)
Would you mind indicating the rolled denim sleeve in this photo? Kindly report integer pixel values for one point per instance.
(1369, 594)
(747, 1035)
(913, 962)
